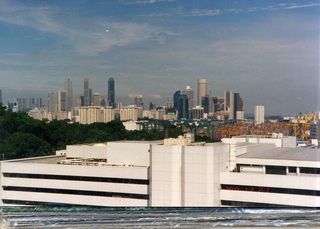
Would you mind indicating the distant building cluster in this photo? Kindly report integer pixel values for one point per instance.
(90, 107)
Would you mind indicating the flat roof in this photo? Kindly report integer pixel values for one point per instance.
(286, 153)
(54, 159)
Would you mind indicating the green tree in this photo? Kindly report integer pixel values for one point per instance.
(21, 145)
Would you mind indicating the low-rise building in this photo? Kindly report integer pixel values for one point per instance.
(240, 171)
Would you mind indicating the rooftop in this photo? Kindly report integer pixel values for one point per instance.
(298, 154)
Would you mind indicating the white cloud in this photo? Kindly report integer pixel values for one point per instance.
(143, 1)
(295, 6)
(198, 12)
(89, 38)
(132, 95)
(155, 96)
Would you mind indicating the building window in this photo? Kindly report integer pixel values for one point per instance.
(310, 170)
(280, 170)
(292, 169)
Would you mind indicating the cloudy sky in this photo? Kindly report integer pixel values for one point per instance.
(268, 51)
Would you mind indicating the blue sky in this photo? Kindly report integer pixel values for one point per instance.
(268, 51)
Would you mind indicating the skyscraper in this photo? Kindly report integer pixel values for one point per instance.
(96, 99)
(176, 99)
(22, 104)
(87, 93)
(218, 104)
(238, 105)
(202, 89)
(183, 108)
(205, 103)
(111, 95)
(62, 101)
(189, 92)
(69, 94)
(51, 102)
(138, 100)
(152, 106)
(229, 104)
(0, 96)
(258, 114)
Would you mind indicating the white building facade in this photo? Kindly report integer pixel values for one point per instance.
(258, 114)
(240, 172)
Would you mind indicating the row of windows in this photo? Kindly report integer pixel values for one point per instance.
(282, 170)
(271, 190)
(253, 204)
(77, 178)
(40, 203)
(77, 192)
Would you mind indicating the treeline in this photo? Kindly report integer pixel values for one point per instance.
(22, 136)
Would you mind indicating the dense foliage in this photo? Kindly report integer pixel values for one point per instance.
(22, 136)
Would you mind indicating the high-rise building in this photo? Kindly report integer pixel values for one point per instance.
(189, 92)
(176, 99)
(202, 89)
(111, 92)
(52, 102)
(218, 104)
(62, 101)
(138, 101)
(258, 114)
(152, 106)
(96, 99)
(87, 93)
(183, 108)
(205, 104)
(104, 102)
(32, 103)
(22, 104)
(238, 105)
(0, 96)
(229, 104)
(13, 105)
(197, 112)
(69, 94)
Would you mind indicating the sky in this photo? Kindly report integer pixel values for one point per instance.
(268, 51)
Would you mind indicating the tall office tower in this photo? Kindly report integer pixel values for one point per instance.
(62, 101)
(31, 104)
(170, 105)
(229, 104)
(96, 99)
(183, 108)
(189, 92)
(218, 104)
(52, 102)
(39, 102)
(111, 95)
(81, 98)
(176, 99)
(238, 105)
(138, 100)
(87, 93)
(202, 89)
(205, 102)
(152, 106)
(69, 92)
(258, 114)
(0, 96)
(22, 104)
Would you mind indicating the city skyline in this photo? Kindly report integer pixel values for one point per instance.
(266, 51)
